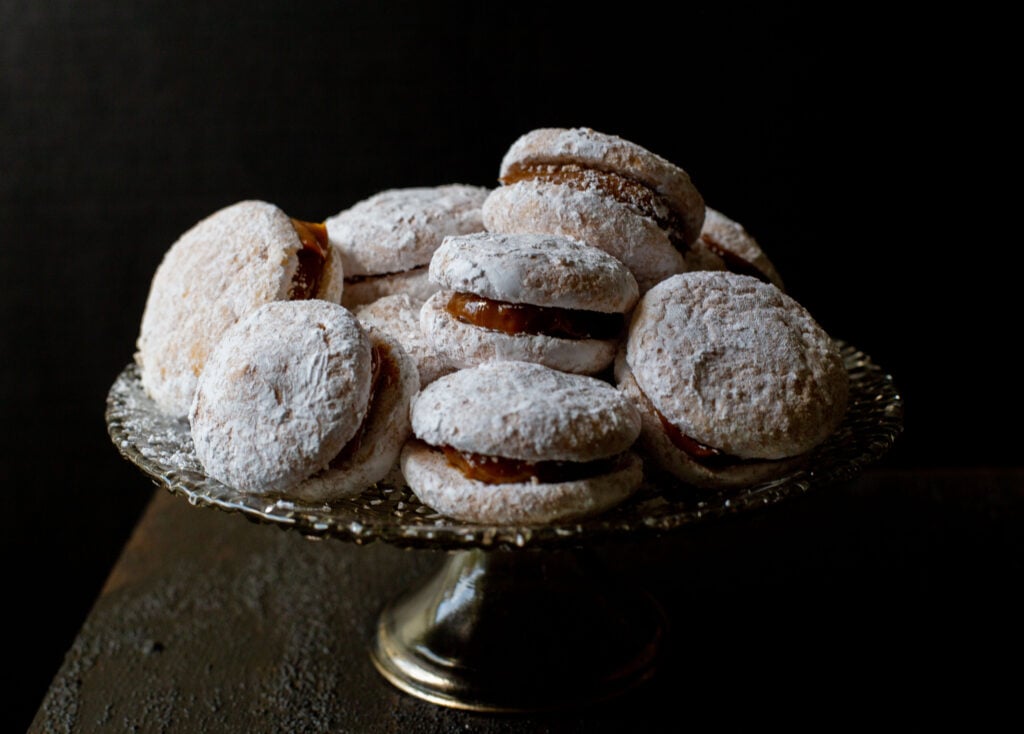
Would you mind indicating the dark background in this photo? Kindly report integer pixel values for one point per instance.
(832, 139)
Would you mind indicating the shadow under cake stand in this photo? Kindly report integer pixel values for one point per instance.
(518, 618)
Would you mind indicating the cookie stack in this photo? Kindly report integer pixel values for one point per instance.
(523, 354)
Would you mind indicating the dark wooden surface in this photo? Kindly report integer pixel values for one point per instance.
(895, 595)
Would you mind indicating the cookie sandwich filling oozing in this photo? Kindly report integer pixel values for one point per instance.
(733, 262)
(382, 276)
(625, 190)
(312, 258)
(707, 456)
(523, 318)
(500, 470)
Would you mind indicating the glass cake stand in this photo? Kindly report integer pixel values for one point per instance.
(518, 618)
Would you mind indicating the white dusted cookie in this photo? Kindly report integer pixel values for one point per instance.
(398, 315)
(735, 379)
(227, 265)
(725, 244)
(518, 442)
(373, 452)
(386, 240)
(282, 393)
(607, 191)
(527, 297)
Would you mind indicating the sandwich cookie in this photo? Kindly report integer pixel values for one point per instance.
(373, 452)
(230, 263)
(726, 245)
(518, 442)
(398, 316)
(386, 240)
(606, 191)
(282, 393)
(527, 297)
(734, 380)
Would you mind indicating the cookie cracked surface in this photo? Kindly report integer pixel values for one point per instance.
(736, 364)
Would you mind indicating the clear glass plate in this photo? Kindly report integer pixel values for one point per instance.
(162, 448)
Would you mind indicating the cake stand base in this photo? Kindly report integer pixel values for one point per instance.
(509, 631)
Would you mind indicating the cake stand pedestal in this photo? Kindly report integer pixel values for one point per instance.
(519, 631)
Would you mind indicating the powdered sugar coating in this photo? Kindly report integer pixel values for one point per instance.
(282, 393)
(399, 229)
(217, 272)
(731, 236)
(387, 429)
(736, 364)
(399, 317)
(521, 410)
(613, 154)
(590, 217)
(466, 345)
(657, 447)
(443, 488)
(538, 269)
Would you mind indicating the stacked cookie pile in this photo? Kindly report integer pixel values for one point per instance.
(523, 354)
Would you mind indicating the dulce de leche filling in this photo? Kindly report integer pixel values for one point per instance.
(312, 257)
(523, 318)
(706, 456)
(733, 262)
(625, 190)
(378, 276)
(384, 374)
(499, 470)
(701, 453)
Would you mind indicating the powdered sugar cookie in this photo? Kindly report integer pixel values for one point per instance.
(517, 442)
(601, 189)
(386, 241)
(725, 244)
(732, 371)
(227, 265)
(527, 297)
(281, 395)
(398, 316)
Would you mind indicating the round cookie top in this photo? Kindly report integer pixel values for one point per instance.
(604, 152)
(526, 411)
(285, 389)
(223, 267)
(537, 269)
(399, 229)
(736, 364)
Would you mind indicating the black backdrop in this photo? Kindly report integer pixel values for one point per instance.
(122, 124)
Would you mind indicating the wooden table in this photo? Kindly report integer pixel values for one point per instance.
(892, 599)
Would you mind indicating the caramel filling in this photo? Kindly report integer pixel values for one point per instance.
(498, 470)
(706, 456)
(523, 318)
(701, 453)
(625, 190)
(384, 374)
(312, 258)
(733, 262)
(375, 276)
